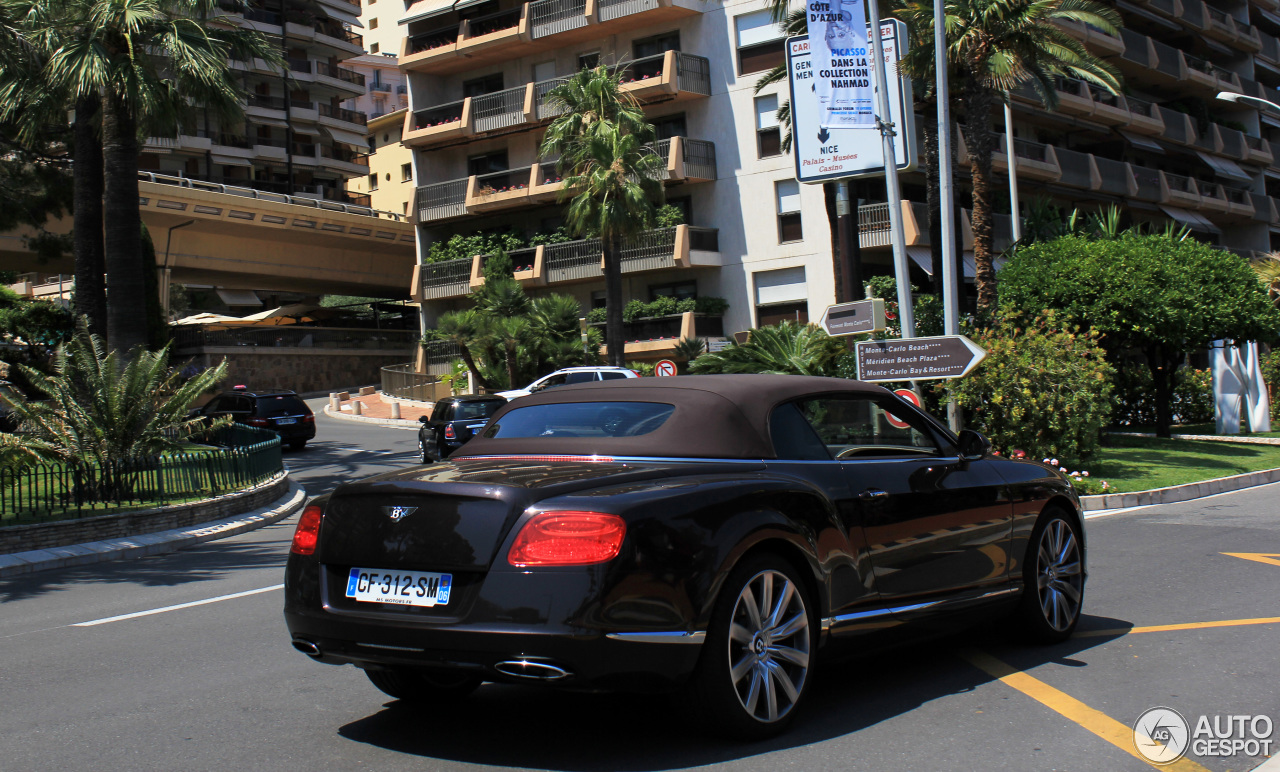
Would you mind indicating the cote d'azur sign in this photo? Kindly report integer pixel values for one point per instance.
(838, 50)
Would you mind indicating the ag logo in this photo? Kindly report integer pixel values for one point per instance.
(397, 513)
(1161, 735)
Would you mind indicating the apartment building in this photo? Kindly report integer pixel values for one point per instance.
(390, 181)
(296, 138)
(478, 74)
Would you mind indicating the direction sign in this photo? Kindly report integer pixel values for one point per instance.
(854, 318)
(909, 396)
(665, 368)
(824, 153)
(918, 359)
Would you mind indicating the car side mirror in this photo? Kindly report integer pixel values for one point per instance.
(973, 445)
(423, 419)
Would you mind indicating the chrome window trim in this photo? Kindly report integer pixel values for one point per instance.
(859, 616)
(674, 636)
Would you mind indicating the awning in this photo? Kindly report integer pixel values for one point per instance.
(306, 128)
(1191, 219)
(291, 314)
(923, 257)
(235, 297)
(348, 18)
(1224, 167)
(230, 160)
(359, 141)
(425, 9)
(1139, 141)
(277, 123)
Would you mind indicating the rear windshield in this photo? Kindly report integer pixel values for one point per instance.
(468, 410)
(582, 419)
(285, 404)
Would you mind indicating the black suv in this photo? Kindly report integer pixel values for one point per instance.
(453, 421)
(280, 411)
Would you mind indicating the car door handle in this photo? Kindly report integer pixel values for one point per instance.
(873, 494)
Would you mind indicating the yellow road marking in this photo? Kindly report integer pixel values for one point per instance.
(1170, 628)
(1070, 708)
(1269, 558)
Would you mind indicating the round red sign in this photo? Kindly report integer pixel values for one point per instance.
(909, 396)
(665, 367)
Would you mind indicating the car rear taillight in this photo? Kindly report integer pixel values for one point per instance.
(307, 534)
(568, 539)
(257, 421)
(309, 418)
(449, 433)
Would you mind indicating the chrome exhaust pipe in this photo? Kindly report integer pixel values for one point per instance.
(306, 647)
(534, 671)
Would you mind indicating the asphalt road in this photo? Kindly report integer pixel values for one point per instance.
(216, 686)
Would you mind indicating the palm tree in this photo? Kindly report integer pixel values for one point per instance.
(149, 61)
(786, 348)
(612, 174)
(1000, 45)
(99, 409)
(464, 329)
(1268, 270)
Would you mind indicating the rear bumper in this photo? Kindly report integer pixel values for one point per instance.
(549, 618)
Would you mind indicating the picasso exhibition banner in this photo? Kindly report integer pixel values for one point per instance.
(841, 58)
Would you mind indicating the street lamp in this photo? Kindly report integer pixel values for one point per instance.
(1258, 103)
(164, 296)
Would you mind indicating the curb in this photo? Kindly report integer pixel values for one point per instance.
(1177, 493)
(160, 542)
(1207, 438)
(399, 423)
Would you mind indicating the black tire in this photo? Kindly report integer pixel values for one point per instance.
(297, 444)
(749, 687)
(1053, 579)
(415, 686)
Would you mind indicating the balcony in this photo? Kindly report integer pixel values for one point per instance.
(1239, 203)
(874, 228)
(1144, 118)
(1170, 66)
(1209, 75)
(688, 160)
(347, 79)
(678, 247)
(1077, 170)
(1258, 151)
(1098, 41)
(528, 28)
(1177, 190)
(1035, 161)
(671, 76)
(1178, 127)
(1221, 26)
(1269, 50)
(344, 115)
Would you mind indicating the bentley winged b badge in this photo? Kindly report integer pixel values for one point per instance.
(398, 513)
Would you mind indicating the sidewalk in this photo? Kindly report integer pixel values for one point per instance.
(373, 410)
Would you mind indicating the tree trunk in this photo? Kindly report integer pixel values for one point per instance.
(465, 354)
(838, 259)
(1163, 367)
(978, 137)
(613, 337)
(91, 298)
(126, 311)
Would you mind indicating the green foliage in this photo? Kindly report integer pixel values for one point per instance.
(785, 348)
(596, 315)
(1044, 388)
(663, 306)
(689, 349)
(35, 189)
(1151, 298)
(469, 245)
(1193, 396)
(668, 216)
(928, 309)
(557, 236)
(644, 368)
(1271, 374)
(711, 306)
(96, 408)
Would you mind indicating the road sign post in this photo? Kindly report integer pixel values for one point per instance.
(856, 318)
(918, 359)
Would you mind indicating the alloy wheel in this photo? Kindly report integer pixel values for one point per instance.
(769, 646)
(1059, 579)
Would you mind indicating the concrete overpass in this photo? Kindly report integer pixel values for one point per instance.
(242, 238)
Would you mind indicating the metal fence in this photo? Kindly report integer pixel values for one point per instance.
(699, 159)
(442, 200)
(549, 17)
(265, 195)
(245, 456)
(438, 355)
(405, 382)
(693, 73)
(616, 9)
(546, 110)
(446, 278)
(499, 109)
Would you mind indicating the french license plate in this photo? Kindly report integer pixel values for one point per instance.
(283, 421)
(407, 588)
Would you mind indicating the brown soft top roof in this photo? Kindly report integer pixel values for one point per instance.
(716, 416)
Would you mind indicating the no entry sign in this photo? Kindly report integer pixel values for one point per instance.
(909, 396)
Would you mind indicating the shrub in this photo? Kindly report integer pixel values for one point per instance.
(597, 316)
(668, 216)
(1044, 388)
(1193, 396)
(633, 310)
(711, 306)
(1271, 373)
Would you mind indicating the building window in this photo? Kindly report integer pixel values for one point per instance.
(781, 295)
(483, 85)
(373, 24)
(669, 126)
(761, 45)
(598, 299)
(373, 182)
(373, 48)
(658, 44)
(373, 145)
(788, 195)
(406, 207)
(768, 132)
(406, 172)
(680, 290)
(589, 61)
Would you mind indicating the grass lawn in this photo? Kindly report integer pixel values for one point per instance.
(1142, 463)
(1206, 428)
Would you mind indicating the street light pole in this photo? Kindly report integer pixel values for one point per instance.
(1012, 156)
(950, 293)
(164, 292)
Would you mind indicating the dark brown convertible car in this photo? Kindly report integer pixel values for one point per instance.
(712, 534)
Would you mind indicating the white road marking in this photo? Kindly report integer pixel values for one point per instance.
(206, 601)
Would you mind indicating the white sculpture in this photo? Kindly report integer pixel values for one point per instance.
(1238, 386)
